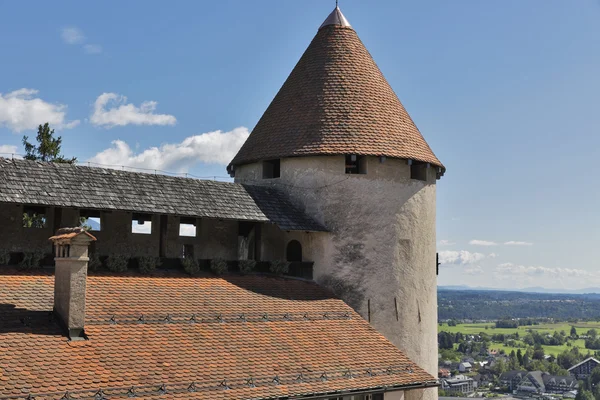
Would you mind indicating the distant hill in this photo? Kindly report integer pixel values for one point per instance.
(488, 304)
(590, 290)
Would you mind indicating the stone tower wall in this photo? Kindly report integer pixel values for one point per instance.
(380, 254)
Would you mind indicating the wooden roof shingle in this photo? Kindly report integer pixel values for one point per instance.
(66, 185)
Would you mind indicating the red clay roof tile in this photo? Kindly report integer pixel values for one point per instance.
(228, 338)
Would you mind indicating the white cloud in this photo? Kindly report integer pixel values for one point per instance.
(72, 35)
(445, 242)
(475, 270)
(492, 255)
(514, 243)
(7, 150)
(476, 242)
(20, 110)
(213, 148)
(513, 269)
(120, 114)
(92, 48)
(461, 257)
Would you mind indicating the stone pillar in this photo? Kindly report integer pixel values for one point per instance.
(71, 259)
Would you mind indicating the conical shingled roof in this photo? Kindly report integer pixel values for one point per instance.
(335, 101)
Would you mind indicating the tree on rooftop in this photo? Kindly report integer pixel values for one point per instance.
(48, 147)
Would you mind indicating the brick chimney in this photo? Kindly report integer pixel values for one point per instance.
(71, 259)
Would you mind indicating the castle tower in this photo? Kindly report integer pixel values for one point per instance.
(338, 140)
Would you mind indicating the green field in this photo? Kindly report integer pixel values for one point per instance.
(476, 328)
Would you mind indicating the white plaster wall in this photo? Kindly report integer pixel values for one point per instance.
(274, 243)
(397, 395)
(381, 249)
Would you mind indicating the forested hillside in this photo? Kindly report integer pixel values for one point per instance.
(493, 305)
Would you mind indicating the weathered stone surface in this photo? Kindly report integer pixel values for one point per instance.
(380, 254)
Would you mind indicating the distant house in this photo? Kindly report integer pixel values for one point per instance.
(443, 373)
(465, 367)
(537, 382)
(511, 379)
(481, 380)
(584, 368)
(458, 384)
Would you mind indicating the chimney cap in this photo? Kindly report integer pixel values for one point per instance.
(68, 234)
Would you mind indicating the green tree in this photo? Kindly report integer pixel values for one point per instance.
(520, 357)
(33, 220)
(583, 394)
(538, 352)
(48, 147)
(499, 367)
(513, 363)
(595, 376)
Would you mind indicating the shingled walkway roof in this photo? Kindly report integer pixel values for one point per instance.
(65, 185)
(335, 101)
(171, 336)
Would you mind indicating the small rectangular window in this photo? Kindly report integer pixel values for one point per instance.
(356, 164)
(187, 251)
(187, 227)
(141, 223)
(34, 217)
(418, 171)
(271, 169)
(90, 220)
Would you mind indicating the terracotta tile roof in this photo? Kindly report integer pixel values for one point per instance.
(66, 185)
(335, 101)
(70, 233)
(166, 336)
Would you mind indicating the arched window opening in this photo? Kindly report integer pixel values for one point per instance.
(294, 251)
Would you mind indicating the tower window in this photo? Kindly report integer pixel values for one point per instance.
(356, 164)
(418, 171)
(271, 169)
(34, 217)
(141, 223)
(90, 220)
(187, 227)
(294, 251)
(187, 251)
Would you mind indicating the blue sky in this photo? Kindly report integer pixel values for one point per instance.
(505, 92)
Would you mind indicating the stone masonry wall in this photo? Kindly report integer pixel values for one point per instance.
(214, 238)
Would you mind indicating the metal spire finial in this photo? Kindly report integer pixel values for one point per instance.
(336, 18)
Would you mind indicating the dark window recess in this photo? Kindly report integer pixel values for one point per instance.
(271, 169)
(418, 171)
(187, 251)
(294, 251)
(34, 217)
(356, 164)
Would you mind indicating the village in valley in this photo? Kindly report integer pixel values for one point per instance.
(519, 358)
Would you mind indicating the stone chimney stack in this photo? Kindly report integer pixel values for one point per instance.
(71, 258)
